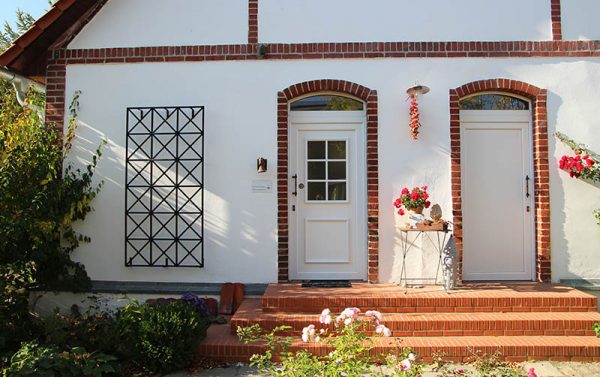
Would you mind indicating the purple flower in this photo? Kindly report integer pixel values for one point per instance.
(199, 303)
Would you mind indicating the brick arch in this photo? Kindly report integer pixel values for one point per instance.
(538, 98)
(369, 96)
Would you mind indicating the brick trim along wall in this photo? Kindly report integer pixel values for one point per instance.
(283, 175)
(351, 50)
(556, 20)
(538, 98)
(252, 21)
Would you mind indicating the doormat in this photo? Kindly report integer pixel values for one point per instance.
(326, 284)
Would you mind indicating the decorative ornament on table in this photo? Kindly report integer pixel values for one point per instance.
(415, 115)
(436, 213)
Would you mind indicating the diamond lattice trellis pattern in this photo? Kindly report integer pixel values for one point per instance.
(164, 202)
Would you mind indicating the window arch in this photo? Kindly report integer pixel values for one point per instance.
(326, 102)
(493, 101)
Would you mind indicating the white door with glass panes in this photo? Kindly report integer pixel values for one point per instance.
(497, 188)
(327, 192)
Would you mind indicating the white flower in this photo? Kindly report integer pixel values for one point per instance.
(322, 331)
(325, 312)
(347, 321)
(412, 357)
(318, 339)
(379, 329)
(387, 332)
(406, 364)
(304, 337)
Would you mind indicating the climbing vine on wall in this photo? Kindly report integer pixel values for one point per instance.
(584, 163)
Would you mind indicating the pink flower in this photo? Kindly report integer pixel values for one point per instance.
(347, 321)
(325, 317)
(374, 313)
(308, 333)
(412, 357)
(531, 373)
(424, 188)
(382, 330)
(350, 313)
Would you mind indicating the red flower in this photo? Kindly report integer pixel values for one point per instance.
(424, 195)
(397, 203)
(427, 204)
(414, 195)
(401, 212)
(405, 191)
(424, 188)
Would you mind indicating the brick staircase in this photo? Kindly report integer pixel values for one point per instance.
(524, 321)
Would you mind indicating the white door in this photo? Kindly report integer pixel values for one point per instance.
(327, 195)
(497, 195)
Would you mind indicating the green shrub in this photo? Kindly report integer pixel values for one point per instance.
(39, 203)
(161, 337)
(93, 330)
(35, 360)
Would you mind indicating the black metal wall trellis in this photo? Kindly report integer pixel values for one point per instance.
(164, 200)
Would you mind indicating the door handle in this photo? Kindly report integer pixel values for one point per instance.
(295, 178)
(527, 179)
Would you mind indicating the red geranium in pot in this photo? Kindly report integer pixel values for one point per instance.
(413, 200)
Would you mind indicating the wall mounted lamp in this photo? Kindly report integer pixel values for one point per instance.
(261, 165)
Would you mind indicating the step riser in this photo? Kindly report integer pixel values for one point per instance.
(234, 353)
(442, 327)
(432, 309)
(417, 304)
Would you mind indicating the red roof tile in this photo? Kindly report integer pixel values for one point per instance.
(27, 55)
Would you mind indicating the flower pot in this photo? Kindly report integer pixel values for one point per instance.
(417, 211)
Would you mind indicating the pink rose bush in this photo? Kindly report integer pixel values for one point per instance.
(346, 318)
(350, 340)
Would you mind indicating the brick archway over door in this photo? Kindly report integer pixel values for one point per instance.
(370, 98)
(538, 98)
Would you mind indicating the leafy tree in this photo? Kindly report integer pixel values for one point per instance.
(40, 199)
(23, 23)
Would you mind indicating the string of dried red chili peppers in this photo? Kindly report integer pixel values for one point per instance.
(414, 117)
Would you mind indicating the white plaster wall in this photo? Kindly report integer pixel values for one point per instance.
(138, 23)
(240, 100)
(580, 19)
(289, 21)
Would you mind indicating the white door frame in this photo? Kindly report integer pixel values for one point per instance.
(504, 118)
(330, 121)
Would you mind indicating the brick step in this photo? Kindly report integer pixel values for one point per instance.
(220, 344)
(436, 324)
(389, 298)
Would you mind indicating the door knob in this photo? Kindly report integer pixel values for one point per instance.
(301, 186)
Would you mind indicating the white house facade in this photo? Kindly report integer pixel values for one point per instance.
(190, 94)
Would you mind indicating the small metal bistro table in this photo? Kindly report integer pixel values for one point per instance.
(408, 237)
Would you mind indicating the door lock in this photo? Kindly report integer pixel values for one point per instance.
(301, 186)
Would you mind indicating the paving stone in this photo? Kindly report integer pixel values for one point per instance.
(543, 369)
